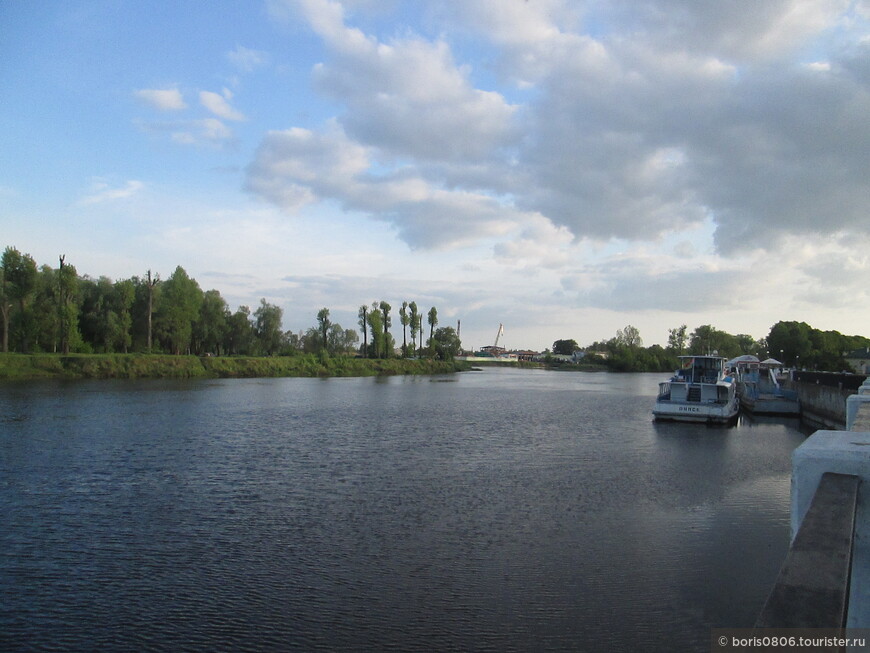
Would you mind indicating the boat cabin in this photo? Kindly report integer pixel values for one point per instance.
(699, 369)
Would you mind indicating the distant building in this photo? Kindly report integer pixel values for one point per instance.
(859, 360)
(491, 350)
(601, 354)
(526, 354)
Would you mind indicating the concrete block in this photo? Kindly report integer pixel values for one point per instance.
(812, 590)
(854, 405)
(841, 452)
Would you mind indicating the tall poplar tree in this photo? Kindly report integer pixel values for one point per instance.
(414, 319)
(433, 322)
(405, 319)
(376, 323)
(323, 324)
(387, 323)
(364, 326)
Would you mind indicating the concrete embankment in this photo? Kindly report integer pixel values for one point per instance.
(825, 579)
(823, 396)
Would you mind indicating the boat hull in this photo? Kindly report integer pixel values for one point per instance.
(678, 411)
(771, 406)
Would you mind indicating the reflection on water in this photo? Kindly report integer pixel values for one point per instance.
(502, 510)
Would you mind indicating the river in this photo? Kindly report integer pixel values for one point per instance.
(497, 510)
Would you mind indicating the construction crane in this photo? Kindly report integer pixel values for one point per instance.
(498, 335)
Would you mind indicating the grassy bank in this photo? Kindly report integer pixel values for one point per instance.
(144, 366)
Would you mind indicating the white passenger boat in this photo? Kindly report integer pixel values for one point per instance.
(759, 389)
(700, 391)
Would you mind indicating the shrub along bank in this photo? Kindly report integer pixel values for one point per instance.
(141, 366)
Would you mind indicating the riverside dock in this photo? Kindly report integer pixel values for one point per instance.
(825, 579)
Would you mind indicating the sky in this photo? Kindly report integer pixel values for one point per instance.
(562, 167)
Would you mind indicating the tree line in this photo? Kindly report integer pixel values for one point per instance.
(795, 344)
(45, 309)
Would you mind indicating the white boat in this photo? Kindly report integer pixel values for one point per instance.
(700, 391)
(759, 389)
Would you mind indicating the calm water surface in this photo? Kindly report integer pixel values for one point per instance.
(496, 510)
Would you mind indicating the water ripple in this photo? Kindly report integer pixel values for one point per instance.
(501, 511)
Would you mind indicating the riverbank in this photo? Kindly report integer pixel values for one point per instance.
(144, 366)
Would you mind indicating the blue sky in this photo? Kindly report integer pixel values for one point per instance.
(562, 167)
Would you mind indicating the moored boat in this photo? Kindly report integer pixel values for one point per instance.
(700, 391)
(759, 389)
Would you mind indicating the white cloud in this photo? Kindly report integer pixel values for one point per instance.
(544, 129)
(219, 106)
(209, 131)
(746, 32)
(101, 191)
(167, 99)
(246, 59)
(295, 167)
(407, 97)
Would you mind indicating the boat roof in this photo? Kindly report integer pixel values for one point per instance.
(718, 358)
(743, 360)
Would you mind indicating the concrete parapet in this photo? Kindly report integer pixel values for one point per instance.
(840, 452)
(812, 590)
(858, 409)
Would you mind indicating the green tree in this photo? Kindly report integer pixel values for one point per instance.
(746, 344)
(629, 337)
(445, 343)
(800, 345)
(211, 326)
(677, 339)
(151, 285)
(414, 323)
(240, 332)
(417, 327)
(324, 324)
(20, 274)
(364, 327)
(386, 323)
(565, 347)
(432, 318)
(179, 308)
(99, 322)
(405, 319)
(46, 311)
(340, 341)
(311, 341)
(267, 327)
(789, 342)
(376, 324)
(5, 299)
(706, 339)
(351, 339)
(67, 309)
(124, 293)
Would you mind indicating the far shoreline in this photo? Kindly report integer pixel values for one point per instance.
(27, 367)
